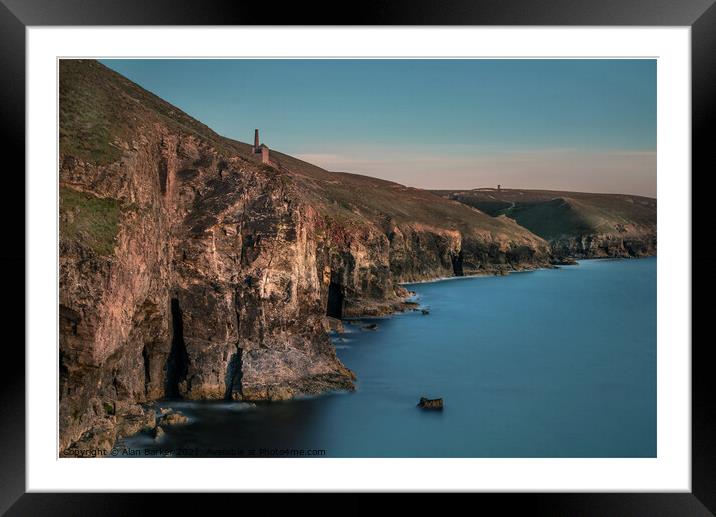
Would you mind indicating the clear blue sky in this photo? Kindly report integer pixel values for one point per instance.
(570, 124)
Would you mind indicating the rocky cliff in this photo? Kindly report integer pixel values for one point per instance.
(190, 269)
(577, 225)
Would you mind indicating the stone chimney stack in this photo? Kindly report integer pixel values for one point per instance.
(256, 140)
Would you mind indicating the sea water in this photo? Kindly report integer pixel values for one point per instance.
(548, 363)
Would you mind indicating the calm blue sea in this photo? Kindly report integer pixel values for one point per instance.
(551, 363)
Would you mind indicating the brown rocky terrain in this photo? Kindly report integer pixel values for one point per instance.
(188, 268)
(576, 224)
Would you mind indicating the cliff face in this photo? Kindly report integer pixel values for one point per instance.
(577, 225)
(190, 269)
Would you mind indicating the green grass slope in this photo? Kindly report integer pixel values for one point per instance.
(556, 214)
(100, 108)
(89, 219)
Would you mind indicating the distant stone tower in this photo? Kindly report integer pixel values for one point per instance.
(261, 149)
(265, 154)
(499, 188)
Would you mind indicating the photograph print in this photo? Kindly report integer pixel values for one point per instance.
(357, 258)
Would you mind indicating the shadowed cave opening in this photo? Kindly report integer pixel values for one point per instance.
(147, 374)
(334, 307)
(234, 375)
(64, 375)
(457, 263)
(178, 360)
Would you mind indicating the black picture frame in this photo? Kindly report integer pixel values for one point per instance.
(16, 15)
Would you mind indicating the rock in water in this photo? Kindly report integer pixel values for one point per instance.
(334, 324)
(158, 433)
(426, 403)
(563, 261)
(173, 418)
(425, 312)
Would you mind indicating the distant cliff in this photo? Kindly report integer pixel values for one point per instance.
(188, 268)
(577, 225)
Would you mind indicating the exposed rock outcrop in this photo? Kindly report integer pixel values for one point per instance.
(190, 269)
(172, 418)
